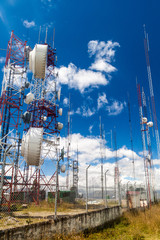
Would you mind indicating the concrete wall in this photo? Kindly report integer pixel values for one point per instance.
(64, 225)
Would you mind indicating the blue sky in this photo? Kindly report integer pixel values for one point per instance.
(100, 53)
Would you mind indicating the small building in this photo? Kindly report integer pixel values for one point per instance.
(136, 198)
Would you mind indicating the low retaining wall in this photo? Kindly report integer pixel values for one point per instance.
(64, 225)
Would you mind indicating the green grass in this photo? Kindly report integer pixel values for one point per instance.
(132, 226)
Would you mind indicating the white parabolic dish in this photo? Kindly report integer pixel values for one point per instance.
(38, 60)
(31, 146)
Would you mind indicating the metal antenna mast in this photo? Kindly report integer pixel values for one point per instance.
(68, 147)
(75, 174)
(39, 34)
(131, 137)
(150, 113)
(146, 46)
(116, 176)
(53, 36)
(146, 115)
(142, 134)
(149, 159)
(101, 146)
(111, 140)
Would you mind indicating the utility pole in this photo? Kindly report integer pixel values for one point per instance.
(59, 157)
(87, 188)
(106, 189)
(116, 177)
(131, 137)
(101, 146)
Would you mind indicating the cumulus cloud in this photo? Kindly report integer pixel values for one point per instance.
(104, 53)
(65, 102)
(90, 128)
(2, 59)
(84, 111)
(115, 108)
(102, 50)
(102, 101)
(80, 79)
(28, 24)
(89, 153)
(102, 65)
(98, 74)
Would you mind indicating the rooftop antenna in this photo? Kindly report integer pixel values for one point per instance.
(146, 46)
(39, 35)
(46, 34)
(53, 37)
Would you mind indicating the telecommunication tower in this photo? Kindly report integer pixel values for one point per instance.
(41, 129)
(68, 146)
(149, 158)
(143, 122)
(146, 46)
(11, 103)
(131, 137)
(75, 174)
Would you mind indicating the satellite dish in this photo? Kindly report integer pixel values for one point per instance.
(59, 126)
(23, 145)
(144, 120)
(38, 60)
(44, 118)
(31, 146)
(60, 111)
(150, 124)
(29, 98)
(59, 94)
(63, 168)
(26, 117)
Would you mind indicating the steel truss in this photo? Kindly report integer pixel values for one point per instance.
(11, 102)
(15, 182)
(44, 114)
(143, 129)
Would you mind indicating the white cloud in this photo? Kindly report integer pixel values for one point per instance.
(115, 108)
(102, 100)
(98, 74)
(65, 101)
(89, 153)
(2, 59)
(80, 79)
(102, 50)
(90, 129)
(28, 24)
(102, 65)
(87, 112)
(84, 111)
(78, 111)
